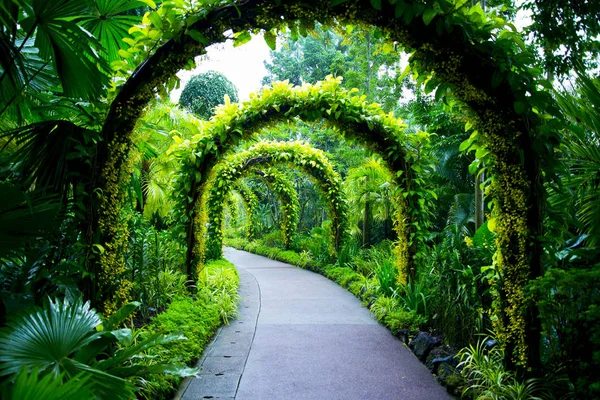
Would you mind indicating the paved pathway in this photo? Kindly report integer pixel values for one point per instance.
(301, 336)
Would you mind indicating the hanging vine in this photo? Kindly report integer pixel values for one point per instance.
(279, 183)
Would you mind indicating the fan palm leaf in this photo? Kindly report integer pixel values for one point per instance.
(44, 339)
(582, 155)
(50, 153)
(69, 48)
(108, 22)
(32, 386)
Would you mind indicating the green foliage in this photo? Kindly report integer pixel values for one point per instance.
(215, 303)
(301, 155)
(370, 189)
(24, 218)
(568, 303)
(401, 318)
(155, 264)
(578, 200)
(279, 183)
(386, 274)
(250, 206)
(359, 54)
(576, 40)
(72, 341)
(204, 92)
(413, 296)
(30, 386)
(483, 367)
(455, 281)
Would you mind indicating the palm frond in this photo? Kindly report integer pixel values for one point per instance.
(582, 155)
(107, 20)
(50, 153)
(45, 338)
(34, 386)
(70, 48)
(462, 212)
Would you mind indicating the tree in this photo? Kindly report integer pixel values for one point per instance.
(206, 91)
(362, 56)
(567, 32)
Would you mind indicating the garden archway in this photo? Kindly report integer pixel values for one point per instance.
(250, 205)
(480, 61)
(208, 224)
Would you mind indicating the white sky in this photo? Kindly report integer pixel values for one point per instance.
(243, 66)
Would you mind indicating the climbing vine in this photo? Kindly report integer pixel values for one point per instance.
(345, 109)
(232, 206)
(457, 50)
(312, 161)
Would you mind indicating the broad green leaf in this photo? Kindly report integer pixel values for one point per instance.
(242, 38)
(271, 40)
(519, 107)
(428, 15)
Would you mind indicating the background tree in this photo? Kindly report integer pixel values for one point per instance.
(206, 91)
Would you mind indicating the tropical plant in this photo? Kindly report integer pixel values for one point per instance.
(482, 364)
(31, 386)
(369, 189)
(386, 274)
(413, 296)
(71, 340)
(581, 191)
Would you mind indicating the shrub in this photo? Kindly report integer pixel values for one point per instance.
(403, 319)
(487, 378)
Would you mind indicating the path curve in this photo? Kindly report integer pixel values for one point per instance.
(301, 336)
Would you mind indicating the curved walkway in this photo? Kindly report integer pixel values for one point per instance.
(301, 336)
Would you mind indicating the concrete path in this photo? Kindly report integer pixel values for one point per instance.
(301, 336)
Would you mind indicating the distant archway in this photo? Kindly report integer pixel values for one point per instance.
(287, 196)
(250, 201)
(312, 161)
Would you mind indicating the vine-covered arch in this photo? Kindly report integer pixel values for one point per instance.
(345, 109)
(208, 225)
(289, 204)
(250, 205)
(479, 60)
(231, 206)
